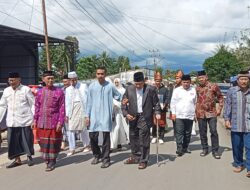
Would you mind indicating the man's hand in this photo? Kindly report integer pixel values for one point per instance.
(124, 101)
(158, 116)
(173, 117)
(218, 112)
(66, 119)
(130, 117)
(33, 125)
(87, 121)
(58, 127)
(228, 124)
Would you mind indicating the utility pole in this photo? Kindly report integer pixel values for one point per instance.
(155, 54)
(46, 36)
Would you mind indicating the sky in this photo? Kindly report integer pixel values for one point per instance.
(172, 34)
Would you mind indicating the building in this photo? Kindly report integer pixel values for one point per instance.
(19, 52)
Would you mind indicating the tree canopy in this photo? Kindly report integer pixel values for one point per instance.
(222, 65)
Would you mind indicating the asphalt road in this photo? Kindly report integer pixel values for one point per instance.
(190, 172)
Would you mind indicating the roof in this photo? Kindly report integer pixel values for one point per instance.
(9, 34)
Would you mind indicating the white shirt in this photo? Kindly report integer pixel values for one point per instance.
(139, 95)
(183, 103)
(19, 104)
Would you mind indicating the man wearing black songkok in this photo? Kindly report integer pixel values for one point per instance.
(140, 102)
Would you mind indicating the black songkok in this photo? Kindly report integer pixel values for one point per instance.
(243, 74)
(14, 75)
(138, 77)
(186, 77)
(65, 76)
(201, 73)
(48, 73)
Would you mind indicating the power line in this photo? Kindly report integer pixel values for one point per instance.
(72, 26)
(164, 35)
(20, 20)
(86, 12)
(170, 38)
(123, 27)
(122, 14)
(174, 21)
(84, 28)
(31, 13)
(11, 12)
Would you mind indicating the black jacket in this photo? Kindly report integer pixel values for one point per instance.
(150, 103)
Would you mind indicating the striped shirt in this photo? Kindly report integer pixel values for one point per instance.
(237, 109)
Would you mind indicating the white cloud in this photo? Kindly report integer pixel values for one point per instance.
(185, 27)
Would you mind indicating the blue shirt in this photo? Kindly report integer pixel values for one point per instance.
(100, 105)
(237, 109)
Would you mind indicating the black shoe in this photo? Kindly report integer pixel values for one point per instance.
(187, 151)
(95, 161)
(30, 161)
(204, 153)
(51, 166)
(179, 154)
(105, 165)
(216, 155)
(13, 165)
(119, 147)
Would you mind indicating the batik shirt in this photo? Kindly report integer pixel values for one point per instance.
(207, 96)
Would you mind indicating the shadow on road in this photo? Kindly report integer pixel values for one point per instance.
(63, 160)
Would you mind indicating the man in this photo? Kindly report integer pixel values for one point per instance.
(183, 111)
(162, 92)
(178, 77)
(206, 112)
(18, 100)
(99, 115)
(66, 84)
(49, 119)
(237, 118)
(75, 105)
(140, 102)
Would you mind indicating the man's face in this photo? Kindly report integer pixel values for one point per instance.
(243, 82)
(186, 84)
(49, 80)
(66, 83)
(14, 82)
(157, 83)
(202, 79)
(100, 74)
(177, 80)
(139, 85)
(73, 81)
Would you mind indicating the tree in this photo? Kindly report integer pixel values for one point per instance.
(86, 66)
(62, 57)
(222, 65)
(242, 52)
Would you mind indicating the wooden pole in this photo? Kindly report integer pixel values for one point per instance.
(46, 36)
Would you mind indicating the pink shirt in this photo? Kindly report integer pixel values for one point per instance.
(49, 108)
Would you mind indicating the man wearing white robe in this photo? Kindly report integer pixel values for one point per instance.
(99, 115)
(75, 105)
